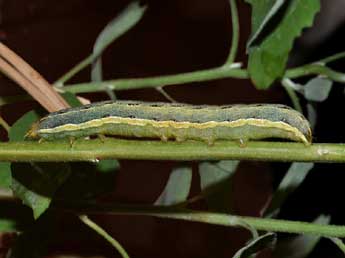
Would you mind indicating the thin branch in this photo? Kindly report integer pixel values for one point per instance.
(226, 71)
(315, 69)
(111, 148)
(288, 86)
(165, 94)
(158, 81)
(332, 58)
(14, 75)
(4, 124)
(274, 225)
(235, 32)
(14, 66)
(338, 242)
(105, 235)
(76, 69)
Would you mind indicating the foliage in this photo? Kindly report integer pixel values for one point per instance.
(275, 26)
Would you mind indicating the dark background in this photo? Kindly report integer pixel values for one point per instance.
(173, 37)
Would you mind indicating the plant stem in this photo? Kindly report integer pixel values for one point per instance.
(338, 242)
(265, 224)
(111, 148)
(76, 69)
(105, 235)
(4, 124)
(225, 71)
(315, 69)
(292, 94)
(235, 32)
(332, 58)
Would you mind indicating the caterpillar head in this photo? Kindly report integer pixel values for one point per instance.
(33, 132)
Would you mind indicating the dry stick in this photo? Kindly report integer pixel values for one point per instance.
(52, 101)
(13, 74)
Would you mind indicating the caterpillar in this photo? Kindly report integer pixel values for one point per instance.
(135, 119)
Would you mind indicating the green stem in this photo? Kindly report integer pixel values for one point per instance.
(221, 219)
(292, 94)
(315, 69)
(225, 71)
(4, 124)
(111, 148)
(76, 69)
(105, 235)
(338, 242)
(235, 32)
(332, 58)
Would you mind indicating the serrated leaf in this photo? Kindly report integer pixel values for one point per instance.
(268, 59)
(215, 182)
(300, 246)
(263, 12)
(5, 175)
(177, 188)
(129, 17)
(291, 181)
(267, 240)
(317, 89)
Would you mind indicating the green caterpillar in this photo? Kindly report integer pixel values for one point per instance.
(134, 119)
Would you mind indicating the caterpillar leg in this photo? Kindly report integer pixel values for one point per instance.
(180, 138)
(210, 141)
(102, 137)
(71, 141)
(164, 138)
(242, 142)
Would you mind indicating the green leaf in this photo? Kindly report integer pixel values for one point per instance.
(89, 180)
(5, 175)
(71, 99)
(291, 181)
(22, 125)
(36, 183)
(300, 246)
(265, 241)
(216, 183)
(263, 12)
(127, 19)
(7, 225)
(14, 217)
(33, 242)
(339, 243)
(317, 89)
(177, 188)
(268, 59)
(108, 166)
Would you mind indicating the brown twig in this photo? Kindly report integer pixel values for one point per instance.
(30, 80)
